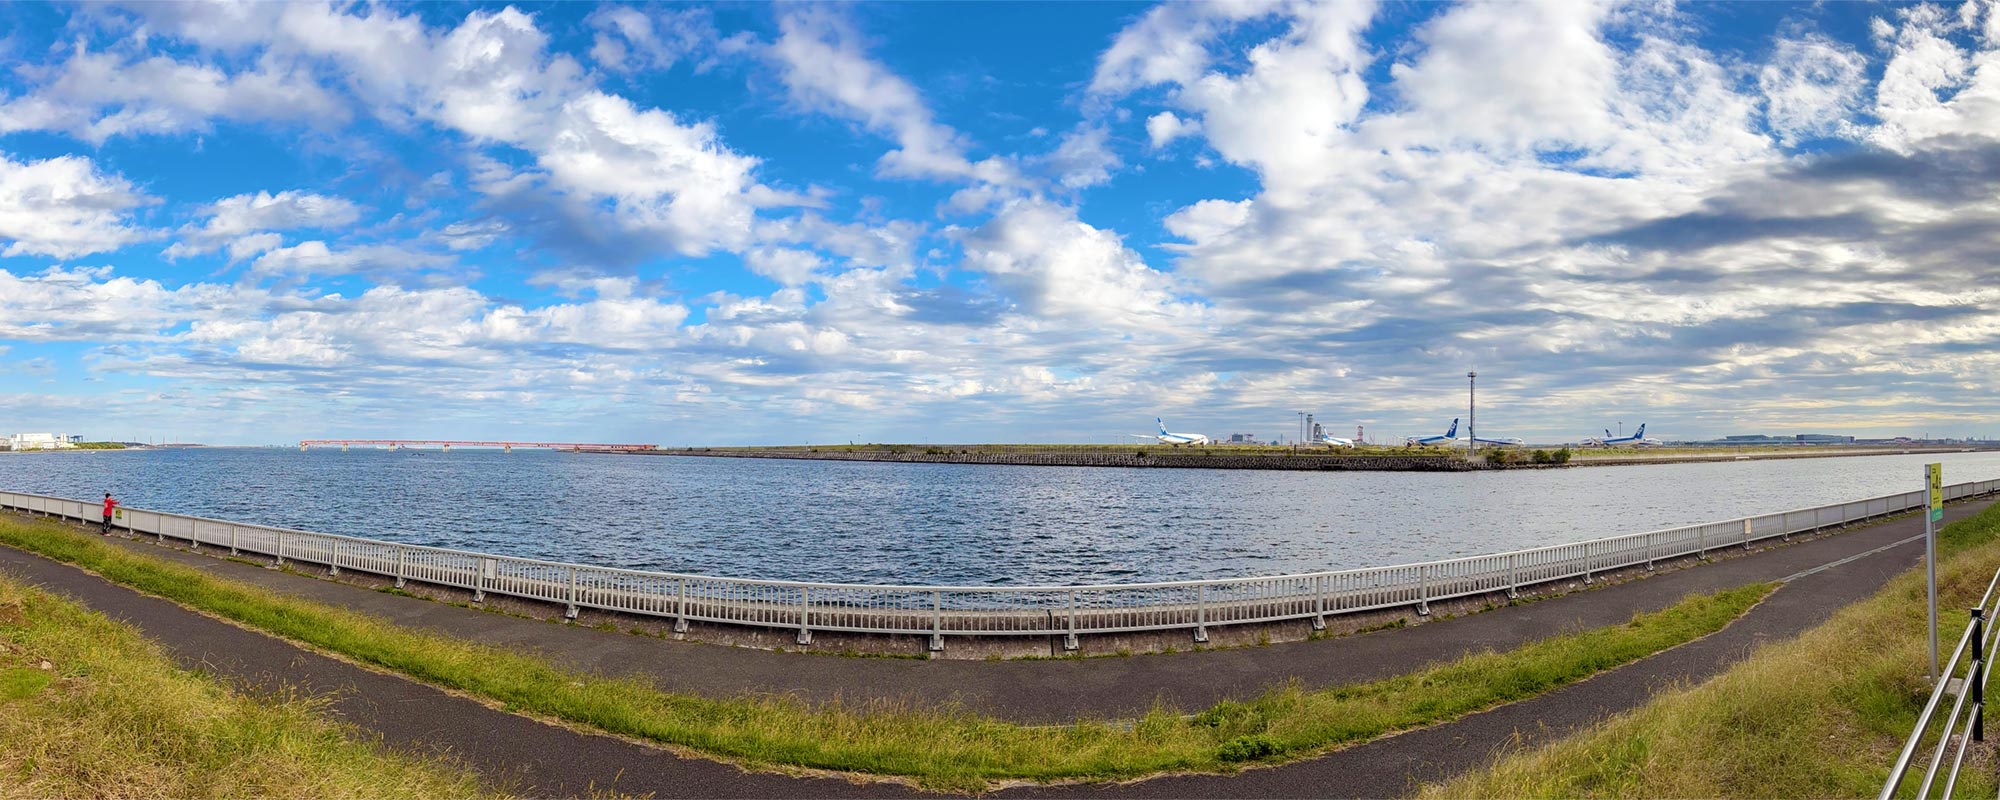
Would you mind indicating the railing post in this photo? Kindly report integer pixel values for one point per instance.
(402, 564)
(1649, 551)
(937, 622)
(1701, 543)
(194, 537)
(570, 612)
(333, 559)
(280, 563)
(1069, 640)
(681, 605)
(479, 580)
(1977, 677)
(232, 539)
(1746, 531)
(1319, 602)
(1424, 590)
(805, 614)
(1513, 580)
(1201, 612)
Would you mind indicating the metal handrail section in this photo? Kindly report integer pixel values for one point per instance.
(943, 611)
(1963, 676)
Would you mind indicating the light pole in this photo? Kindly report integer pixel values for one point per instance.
(1472, 412)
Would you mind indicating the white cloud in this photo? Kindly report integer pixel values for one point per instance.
(1163, 128)
(316, 258)
(64, 207)
(826, 69)
(245, 223)
(1058, 266)
(786, 266)
(630, 38)
(96, 96)
(1812, 86)
(1169, 44)
(1084, 158)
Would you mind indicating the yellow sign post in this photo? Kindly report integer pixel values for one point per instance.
(1934, 474)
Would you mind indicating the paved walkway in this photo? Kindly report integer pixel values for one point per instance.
(532, 758)
(1059, 691)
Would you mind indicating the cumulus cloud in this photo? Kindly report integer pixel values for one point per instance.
(96, 96)
(246, 223)
(1057, 266)
(65, 207)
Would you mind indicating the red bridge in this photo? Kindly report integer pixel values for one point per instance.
(449, 444)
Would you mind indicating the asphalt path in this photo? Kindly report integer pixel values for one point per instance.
(1060, 690)
(537, 759)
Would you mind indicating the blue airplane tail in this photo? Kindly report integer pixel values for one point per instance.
(1452, 431)
(1642, 431)
(1163, 426)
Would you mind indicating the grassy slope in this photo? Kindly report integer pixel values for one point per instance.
(1818, 716)
(110, 716)
(948, 748)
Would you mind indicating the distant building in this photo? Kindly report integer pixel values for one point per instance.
(1757, 439)
(1242, 438)
(41, 441)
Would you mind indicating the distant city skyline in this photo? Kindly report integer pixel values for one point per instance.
(747, 224)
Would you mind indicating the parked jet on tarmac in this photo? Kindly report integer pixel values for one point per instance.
(1450, 437)
(1501, 442)
(1637, 439)
(1331, 440)
(1175, 439)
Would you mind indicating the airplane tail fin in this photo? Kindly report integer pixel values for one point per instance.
(1642, 431)
(1163, 426)
(1452, 431)
(1607, 433)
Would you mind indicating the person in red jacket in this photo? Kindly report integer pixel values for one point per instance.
(109, 504)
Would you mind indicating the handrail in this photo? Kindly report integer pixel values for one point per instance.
(1980, 641)
(957, 610)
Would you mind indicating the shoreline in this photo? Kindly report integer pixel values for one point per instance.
(1257, 458)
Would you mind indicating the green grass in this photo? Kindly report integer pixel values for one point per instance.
(937, 747)
(1822, 715)
(90, 708)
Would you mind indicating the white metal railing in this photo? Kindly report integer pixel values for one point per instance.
(941, 611)
(1965, 676)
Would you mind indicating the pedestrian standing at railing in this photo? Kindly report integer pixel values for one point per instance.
(109, 504)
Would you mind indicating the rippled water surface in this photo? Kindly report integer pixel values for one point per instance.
(945, 523)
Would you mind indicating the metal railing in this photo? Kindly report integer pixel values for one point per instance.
(943, 611)
(1963, 676)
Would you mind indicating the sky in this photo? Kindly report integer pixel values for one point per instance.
(248, 223)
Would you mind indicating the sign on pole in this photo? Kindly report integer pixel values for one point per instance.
(1934, 473)
(1934, 513)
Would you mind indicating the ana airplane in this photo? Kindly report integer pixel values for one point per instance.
(1175, 439)
(1331, 440)
(1501, 442)
(1637, 439)
(1450, 437)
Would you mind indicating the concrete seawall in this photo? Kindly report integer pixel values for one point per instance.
(1150, 458)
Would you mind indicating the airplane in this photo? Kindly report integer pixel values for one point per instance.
(1331, 440)
(1637, 439)
(1501, 442)
(1450, 437)
(1175, 439)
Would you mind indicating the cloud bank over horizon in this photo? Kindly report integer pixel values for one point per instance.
(258, 222)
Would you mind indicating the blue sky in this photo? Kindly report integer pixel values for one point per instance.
(690, 224)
